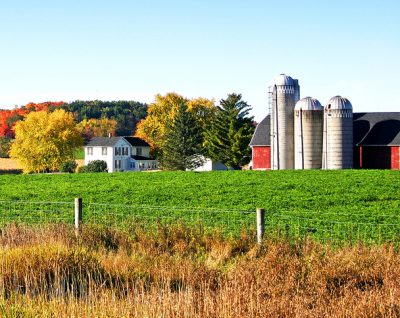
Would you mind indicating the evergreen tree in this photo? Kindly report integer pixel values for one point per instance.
(182, 148)
(228, 137)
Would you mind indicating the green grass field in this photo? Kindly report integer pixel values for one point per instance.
(325, 202)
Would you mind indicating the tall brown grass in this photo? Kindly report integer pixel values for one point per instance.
(182, 272)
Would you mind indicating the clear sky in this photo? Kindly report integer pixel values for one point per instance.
(116, 49)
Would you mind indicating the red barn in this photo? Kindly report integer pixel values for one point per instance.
(261, 146)
(376, 140)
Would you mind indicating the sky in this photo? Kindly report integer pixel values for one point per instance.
(120, 49)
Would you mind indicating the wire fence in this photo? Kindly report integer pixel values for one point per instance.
(337, 228)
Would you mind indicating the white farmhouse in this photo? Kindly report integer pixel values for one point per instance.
(120, 153)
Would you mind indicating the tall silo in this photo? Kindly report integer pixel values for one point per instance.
(338, 134)
(285, 93)
(308, 128)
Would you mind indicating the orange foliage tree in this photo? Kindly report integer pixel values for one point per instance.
(9, 117)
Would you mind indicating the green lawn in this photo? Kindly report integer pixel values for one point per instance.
(323, 200)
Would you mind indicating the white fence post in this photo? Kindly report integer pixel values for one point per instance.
(260, 225)
(78, 214)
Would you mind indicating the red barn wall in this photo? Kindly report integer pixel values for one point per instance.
(261, 157)
(395, 156)
(377, 157)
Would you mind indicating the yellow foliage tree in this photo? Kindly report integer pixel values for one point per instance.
(97, 127)
(163, 111)
(43, 141)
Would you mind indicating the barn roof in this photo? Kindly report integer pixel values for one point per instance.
(377, 129)
(261, 134)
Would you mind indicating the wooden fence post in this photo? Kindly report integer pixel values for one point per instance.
(260, 225)
(78, 214)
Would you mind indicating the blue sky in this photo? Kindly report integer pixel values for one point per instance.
(67, 50)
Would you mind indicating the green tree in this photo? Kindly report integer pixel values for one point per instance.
(163, 111)
(227, 138)
(43, 141)
(182, 147)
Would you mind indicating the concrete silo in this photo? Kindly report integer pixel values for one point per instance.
(308, 127)
(338, 134)
(284, 94)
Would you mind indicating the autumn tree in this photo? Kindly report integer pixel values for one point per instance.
(227, 138)
(183, 142)
(90, 128)
(163, 110)
(43, 141)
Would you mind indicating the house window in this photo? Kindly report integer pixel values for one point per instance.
(133, 165)
(117, 164)
(104, 151)
(90, 150)
(125, 151)
(139, 151)
(118, 151)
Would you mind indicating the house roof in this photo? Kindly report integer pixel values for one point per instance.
(136, 157)
(111, 141)
(261, 134)
(136, 142)
(103, 141)
(377, 129)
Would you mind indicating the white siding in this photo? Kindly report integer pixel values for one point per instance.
(98, 155)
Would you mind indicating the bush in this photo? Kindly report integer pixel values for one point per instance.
(69, 166)
(5, 144)
(94, 166)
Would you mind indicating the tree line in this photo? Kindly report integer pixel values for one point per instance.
(182, 132)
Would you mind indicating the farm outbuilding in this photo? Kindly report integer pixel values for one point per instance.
(376, 141)
(261, 145)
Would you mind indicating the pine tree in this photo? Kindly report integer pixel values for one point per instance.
(183, 142)
(227, 139)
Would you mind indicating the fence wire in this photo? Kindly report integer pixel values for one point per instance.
(337, 228)
(228, 221)
(36, 212)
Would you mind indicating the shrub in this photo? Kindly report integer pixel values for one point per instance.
(5, 144)
(68, 166)
(94, 166)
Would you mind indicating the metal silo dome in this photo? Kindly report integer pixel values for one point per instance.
(338, 134)
(308, 103)
(339, 102)
(283, 80)
(308, 128)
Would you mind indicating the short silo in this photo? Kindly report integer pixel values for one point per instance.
(338, 134)
(308, 128)
(285, 94)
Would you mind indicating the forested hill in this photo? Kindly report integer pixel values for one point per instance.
(126, 113)
(122, 115)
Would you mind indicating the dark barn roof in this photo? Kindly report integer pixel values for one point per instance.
(376, 129)
(261, 134)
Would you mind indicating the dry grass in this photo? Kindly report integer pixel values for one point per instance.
(9, 164)
(180, 272)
